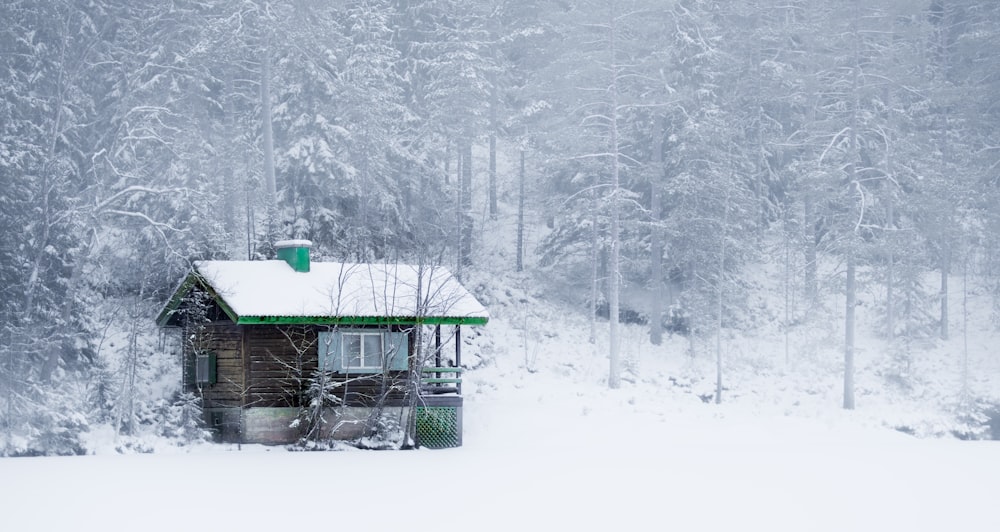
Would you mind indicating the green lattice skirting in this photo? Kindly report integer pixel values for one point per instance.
(439, 427)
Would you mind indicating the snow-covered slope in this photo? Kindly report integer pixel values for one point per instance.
(537, 352)
(548, 446)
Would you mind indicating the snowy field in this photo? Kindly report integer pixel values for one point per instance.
(548, 469)
(549, 447)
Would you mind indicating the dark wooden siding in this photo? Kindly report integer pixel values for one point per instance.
(279, 360)
(271, 366)
(223, 339)
(283, 359)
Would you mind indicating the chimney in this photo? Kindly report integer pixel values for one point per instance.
(295, 253)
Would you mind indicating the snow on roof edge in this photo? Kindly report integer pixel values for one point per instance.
(340, 290)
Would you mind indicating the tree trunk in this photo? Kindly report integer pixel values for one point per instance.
(656, 236)
(965, 323)
(720, 290)
(809, 226)
(494, 103)
(493, 176)
(520, 216)
(466, 203)
(459, 215)
(787, 281)
(890, 275)
(614, 372)
(447, 163)
(855, 161)
(945, 270)
(265, 113)
(594, 257)
(229, 200)
(849, 336)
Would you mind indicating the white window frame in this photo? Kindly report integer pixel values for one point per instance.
(345, 357)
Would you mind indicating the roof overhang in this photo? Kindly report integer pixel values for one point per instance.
(195, 280)
(360, 320)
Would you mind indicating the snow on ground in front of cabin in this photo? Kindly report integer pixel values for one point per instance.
(534, 465)
(548, 446)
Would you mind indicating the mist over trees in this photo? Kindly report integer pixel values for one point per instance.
(669, 144)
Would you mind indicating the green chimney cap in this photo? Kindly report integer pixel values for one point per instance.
(295, 253)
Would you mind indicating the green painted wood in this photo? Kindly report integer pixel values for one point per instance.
(358, 320)
(441, 370)
(296, 257)
(438, 427)
(441, 381)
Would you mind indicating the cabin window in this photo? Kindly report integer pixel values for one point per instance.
(363, 351)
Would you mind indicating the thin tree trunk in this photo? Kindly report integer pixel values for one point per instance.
(493, 176)
(945, 270)
(614, 372)
(265, 111)
(890, 276)
(459, 218)
(494, 103)
(520, 216)
(965, 324)
(787, 286)
(851, 289)
(447, 163)
(809, 227)
(720, 289)
(594, 242)
(890, 214)
(229, 200)
(849, 336)
(656, 236)
(466, 206)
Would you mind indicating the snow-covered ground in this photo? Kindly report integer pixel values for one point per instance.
(549, 447)
(535, 463)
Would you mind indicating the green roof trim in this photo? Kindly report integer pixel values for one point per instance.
(359, 320)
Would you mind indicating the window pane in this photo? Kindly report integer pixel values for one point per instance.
(373, 350)
(201, 371)
(351, 350)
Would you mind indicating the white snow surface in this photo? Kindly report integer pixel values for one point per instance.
(549, 447)
(294, 243)
(533, 464)
(273, 288)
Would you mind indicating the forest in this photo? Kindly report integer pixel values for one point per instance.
(660, 147)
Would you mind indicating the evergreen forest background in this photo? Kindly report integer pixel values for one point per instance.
(644, 155)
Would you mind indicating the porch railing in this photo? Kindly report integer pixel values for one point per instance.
(441, 380)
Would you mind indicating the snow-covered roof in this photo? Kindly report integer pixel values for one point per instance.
(331, 292)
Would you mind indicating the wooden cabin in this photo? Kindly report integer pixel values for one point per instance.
(281, 350)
